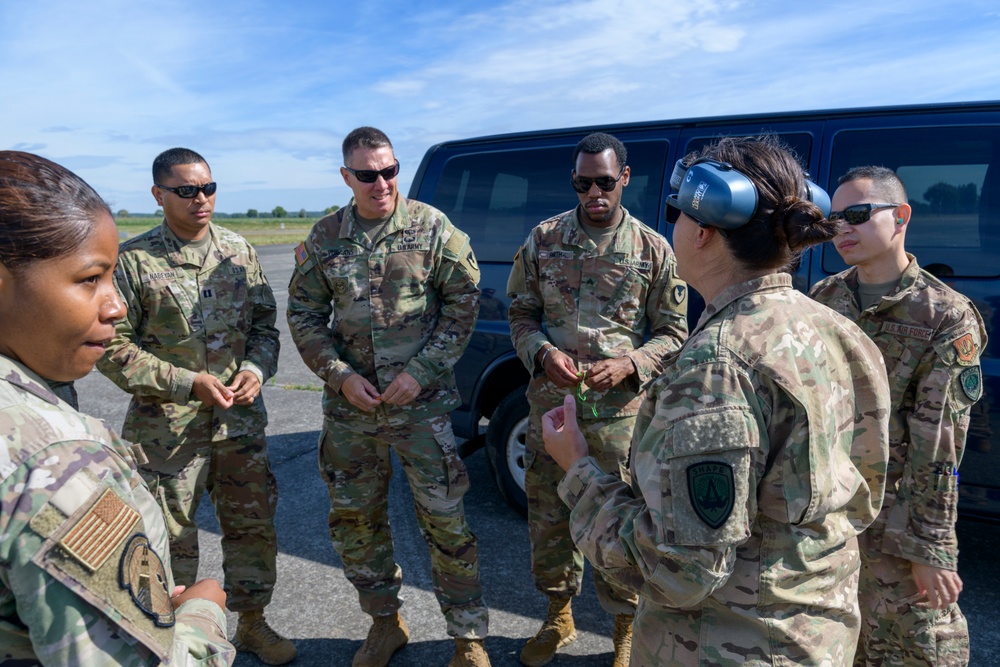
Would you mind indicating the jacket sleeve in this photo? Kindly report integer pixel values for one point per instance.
(125, 362)
(921, 525)
(666, 305)
(647, 537)
(526, 307)
(456, 279)
(262, 339)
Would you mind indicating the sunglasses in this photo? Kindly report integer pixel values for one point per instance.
(191, 191)
(604, 183)
(858, 214)
(673, 212)
(371, 175)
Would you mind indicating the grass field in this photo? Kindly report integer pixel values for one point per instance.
(259, 231)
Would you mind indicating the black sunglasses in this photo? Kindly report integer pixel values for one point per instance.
(371, 175)
(191, 191)
(605, 183)
(858, 214)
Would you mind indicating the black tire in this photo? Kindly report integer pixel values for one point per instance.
(505, 437)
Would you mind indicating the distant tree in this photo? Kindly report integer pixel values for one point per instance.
(252, 213)
(159, 213)
(279, 212)
(122, 214)
(331, 209)
(302, 213)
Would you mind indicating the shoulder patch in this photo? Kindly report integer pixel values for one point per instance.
(679, 293)
(971, 380)
(968, 352)
(141, 573)
(100, 530)
(712, 491)
(301, 254)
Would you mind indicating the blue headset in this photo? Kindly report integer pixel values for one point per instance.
(714, 194)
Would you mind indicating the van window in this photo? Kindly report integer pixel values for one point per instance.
(497, 197)
(952, 178)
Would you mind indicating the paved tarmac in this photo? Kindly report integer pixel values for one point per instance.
(316, 607)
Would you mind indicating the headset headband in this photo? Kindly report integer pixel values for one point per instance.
(715, 194)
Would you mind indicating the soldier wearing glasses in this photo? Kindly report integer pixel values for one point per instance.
(196, 346)
(586, 286)
(931, 338)
(401, 284)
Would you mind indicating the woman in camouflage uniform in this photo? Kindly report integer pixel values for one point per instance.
(84, 566)
(758, 456)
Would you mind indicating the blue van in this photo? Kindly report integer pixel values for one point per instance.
(497, 188)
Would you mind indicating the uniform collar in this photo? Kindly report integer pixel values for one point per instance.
(575, 234)
(770, 283)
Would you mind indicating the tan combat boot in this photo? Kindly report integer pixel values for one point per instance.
(387, 635)
(254, 635)
(557, 631)
(469, 653)
(623, 639)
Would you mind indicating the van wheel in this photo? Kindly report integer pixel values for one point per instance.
(505, 442)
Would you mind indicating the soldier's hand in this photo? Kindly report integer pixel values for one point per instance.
(245, 388)
(206, 589)
(563, 438)
(402, 390)
(609, 373)
(209, 390)
(940, 587)
(561, 369)
(360, 393)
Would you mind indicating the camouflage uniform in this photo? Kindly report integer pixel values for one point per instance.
(591, 305)
(405, 301)
(931, 338)
(753, 471)
(184, 318)
(77, 525)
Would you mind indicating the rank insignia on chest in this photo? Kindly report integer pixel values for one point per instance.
(141, 573)
(972, 383)
(207, 293)
(340, 286)
(967, 350)
(711, 489)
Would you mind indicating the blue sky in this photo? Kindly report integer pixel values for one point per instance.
(266, 91)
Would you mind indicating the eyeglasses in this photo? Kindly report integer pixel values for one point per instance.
(673, 213)
(604, 183)
(371, 175)
(191, 191)
(858, 214)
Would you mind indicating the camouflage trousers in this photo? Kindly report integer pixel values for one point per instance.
(354, 460)
(237, 475)
(895, 629)
(556, 563)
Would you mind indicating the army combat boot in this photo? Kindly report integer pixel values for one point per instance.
(254, 635)
(557, 631)
(623, 639)
(469, 653)
(387, 635)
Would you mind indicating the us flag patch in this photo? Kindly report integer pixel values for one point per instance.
(100, 531)
(301, 254)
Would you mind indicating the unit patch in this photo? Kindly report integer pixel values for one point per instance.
(972, 383)
(678, 293)
(100, 531)
(967, 350)
(142, 574)
(340, 286)
(712, 490)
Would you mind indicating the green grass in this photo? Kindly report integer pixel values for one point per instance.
(259, 231)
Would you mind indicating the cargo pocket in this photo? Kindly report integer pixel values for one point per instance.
(454, 468)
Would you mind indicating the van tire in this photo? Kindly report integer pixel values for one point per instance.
(505, 442)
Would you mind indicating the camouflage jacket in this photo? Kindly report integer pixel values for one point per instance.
(84, 564)
(752, 475)
(406, 301)
(596, 306)
(931, 337)
(184, 319)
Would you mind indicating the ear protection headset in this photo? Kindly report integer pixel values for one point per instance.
(714, 194)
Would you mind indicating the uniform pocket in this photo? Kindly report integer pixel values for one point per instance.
(455, 471)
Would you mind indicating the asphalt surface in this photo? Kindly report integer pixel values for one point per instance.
(315, 605)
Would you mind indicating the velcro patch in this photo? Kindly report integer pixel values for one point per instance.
(100, 531)
(972, 383)
(556, 254)
(967, 350)
(141, 573)
(679, 293)
(638, 264)
(712, 490)
(301, 254)
(899, 329)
